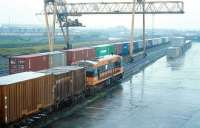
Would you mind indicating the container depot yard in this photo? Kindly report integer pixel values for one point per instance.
(140, 72)
(162, 95)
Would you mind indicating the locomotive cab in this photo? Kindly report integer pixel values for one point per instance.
(100, 70)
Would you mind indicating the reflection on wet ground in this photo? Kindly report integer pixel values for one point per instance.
(164, 95)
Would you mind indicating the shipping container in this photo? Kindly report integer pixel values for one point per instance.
(156, 41)
(63, 84)
(78, 54)
(103, 50)
(125, 49)
(177, 41)
(140, 44)
(165, 40)
(187, 45)
(118, 48)
(78, 79)
(56, 58)
(136, 46)
(149, 43)
(23, 94)
(173, 52)
(33, 62)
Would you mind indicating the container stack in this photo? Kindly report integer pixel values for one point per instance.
(178, 47)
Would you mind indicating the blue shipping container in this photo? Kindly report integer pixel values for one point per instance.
(125, 49)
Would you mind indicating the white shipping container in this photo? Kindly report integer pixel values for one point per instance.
(177, 41)
(140, 44)
(165, 39)
(156, 41)
(56, 58)
(173, 52)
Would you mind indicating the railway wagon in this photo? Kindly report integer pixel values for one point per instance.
(103, 70)
(69, 81)
(24, 94)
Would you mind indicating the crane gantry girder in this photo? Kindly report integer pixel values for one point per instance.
(61, 11)
(151, 7)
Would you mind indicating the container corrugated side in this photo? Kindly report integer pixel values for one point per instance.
(177, 41)
(140, 44)
(56, 58)
(63, 86)
(25, 97)
(118, 48)
(149, 43)
(125, 49)
(103, 50)
(173, 52)
(75, 55)
(34, 62)
(79, 79)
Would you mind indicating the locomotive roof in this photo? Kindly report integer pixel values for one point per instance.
(20, 77)
(94, 62)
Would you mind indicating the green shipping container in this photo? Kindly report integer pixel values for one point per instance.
(103, 50)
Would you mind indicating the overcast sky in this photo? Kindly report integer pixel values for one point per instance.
(23, 12)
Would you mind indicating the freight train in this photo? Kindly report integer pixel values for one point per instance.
(42, 88)
(41, 61)
(25, 96)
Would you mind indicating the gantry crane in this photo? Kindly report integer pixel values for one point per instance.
(60, 10)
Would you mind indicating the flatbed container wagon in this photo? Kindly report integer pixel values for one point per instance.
(24, 94)
(34, 62)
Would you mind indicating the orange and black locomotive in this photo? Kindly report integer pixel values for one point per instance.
(103, 70)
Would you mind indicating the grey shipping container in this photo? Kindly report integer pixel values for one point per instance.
(177, 41)
(174, 52)
(56, 58)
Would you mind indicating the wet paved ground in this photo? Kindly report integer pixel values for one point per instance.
(164, 95)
